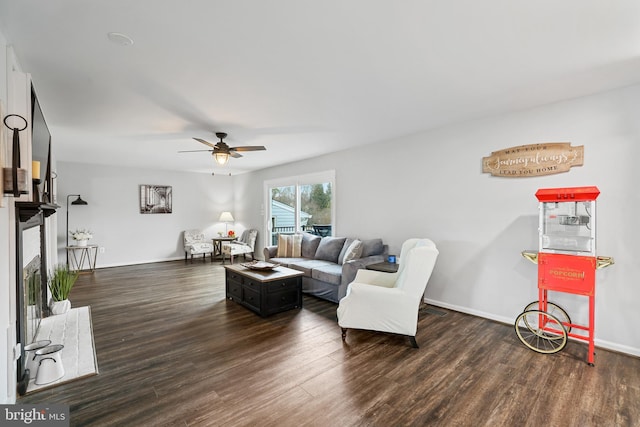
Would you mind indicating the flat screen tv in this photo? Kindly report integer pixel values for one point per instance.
(41, 148)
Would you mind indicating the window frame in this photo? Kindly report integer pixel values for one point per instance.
(297, 181)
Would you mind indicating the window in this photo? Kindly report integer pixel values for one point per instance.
(301, 203)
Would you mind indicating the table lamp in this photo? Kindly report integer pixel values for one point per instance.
(226, 217)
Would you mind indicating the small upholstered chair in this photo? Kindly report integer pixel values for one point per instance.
(389, 302)
(196, 244)
(244, 245)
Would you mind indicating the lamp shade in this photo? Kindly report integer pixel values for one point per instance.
(226, 217)
(79, 201)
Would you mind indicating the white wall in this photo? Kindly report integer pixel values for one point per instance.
(113, 215)
(431, 185)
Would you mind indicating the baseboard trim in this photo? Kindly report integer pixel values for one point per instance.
(150, 261)
(619, 348)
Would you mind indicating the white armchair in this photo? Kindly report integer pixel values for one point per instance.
(243, 246)
(389, 302)
(196, 244)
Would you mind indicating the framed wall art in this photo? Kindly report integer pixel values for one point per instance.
(155, 199)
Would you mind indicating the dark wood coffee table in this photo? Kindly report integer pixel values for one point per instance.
(265, 292)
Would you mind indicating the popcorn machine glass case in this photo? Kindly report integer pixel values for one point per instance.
(568, 220)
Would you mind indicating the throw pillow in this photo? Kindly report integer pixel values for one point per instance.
(347, 242)
(372, 247)
(289, 245)
(310, 244)
(329, 248)
(353, 252)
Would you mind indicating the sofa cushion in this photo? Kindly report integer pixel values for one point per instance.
(286, 261)
(329, 248)
(351, 250)
(289, 245)
(372, 247)
(310, 244)
(330, 273)
(308, 265)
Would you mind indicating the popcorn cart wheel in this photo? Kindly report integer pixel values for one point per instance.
(541, 331)
(555, 310)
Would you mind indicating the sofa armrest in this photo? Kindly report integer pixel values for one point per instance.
(270, 252)
(350, 268)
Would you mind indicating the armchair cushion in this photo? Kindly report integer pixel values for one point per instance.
(199, 248)
(248, 238)
(193, 236)
(377, 278)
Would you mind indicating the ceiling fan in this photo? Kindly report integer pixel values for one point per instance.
(221, 151)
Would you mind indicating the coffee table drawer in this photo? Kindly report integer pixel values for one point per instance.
(232, 275)
(234, 289)
(251, 298)
(282, 285)
(281, 301)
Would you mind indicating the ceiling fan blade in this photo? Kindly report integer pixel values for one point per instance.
(234, 154)
(193, 151)
(205, 142)
(248, 148)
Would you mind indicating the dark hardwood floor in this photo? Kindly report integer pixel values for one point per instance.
(173, 351)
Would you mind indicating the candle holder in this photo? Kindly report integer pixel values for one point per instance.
(35, 190)
(15, 178)
(20, 183)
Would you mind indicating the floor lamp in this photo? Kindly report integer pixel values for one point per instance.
(77, 201)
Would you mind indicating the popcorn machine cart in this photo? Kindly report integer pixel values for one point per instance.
(567, 262)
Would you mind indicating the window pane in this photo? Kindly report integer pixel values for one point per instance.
(283, 211)
(315, 208)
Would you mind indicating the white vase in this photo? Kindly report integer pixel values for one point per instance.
(59, 307)
(81, 242)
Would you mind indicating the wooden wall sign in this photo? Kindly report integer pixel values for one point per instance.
(547, 158)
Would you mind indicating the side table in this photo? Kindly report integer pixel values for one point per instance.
(217, 245)
(78, 256)
(385, 267)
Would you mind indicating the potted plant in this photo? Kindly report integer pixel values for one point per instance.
(60, 282)
(81, 236)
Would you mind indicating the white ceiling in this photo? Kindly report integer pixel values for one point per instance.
(303, 77)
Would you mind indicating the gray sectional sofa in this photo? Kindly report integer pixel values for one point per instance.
(329, 264)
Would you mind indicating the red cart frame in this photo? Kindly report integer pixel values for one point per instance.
(562, 272)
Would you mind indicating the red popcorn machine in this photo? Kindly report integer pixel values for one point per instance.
(567, 262)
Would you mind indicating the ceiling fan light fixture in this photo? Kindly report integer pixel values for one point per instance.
(221, 158)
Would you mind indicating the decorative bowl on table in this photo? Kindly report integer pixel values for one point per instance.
(260, 265)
